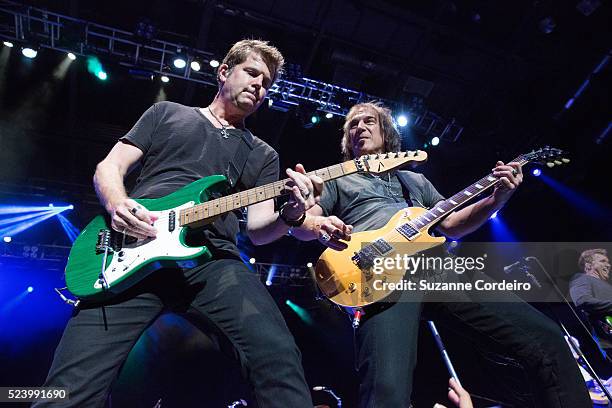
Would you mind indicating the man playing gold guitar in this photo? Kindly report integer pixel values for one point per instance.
(386, 351)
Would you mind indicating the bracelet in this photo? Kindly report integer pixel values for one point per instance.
(289, 222)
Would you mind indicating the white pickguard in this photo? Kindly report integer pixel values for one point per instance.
(166, 243)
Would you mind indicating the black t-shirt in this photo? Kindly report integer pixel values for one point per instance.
(180, 146)
(368, 202)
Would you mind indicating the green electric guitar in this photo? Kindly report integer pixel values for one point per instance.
(103, 262)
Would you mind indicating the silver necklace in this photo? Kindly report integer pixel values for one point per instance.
(223, 127)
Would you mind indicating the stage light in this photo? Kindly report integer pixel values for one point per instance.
(195, 66)
(180, 60)
(300, 311)
(402, 120)
(51, 205)
(102, 76)
(7, 239)
(8, 44)
(270, 102)
(314, 119)
(494, 215)
(29, 52)
(252, 261)
(71, 207)
(214, 63)
(268, 283)
(165, 79)
(536, 172)
(329, 115)
(309, 265)
(71, 56)
(30, 289)
(435, 141)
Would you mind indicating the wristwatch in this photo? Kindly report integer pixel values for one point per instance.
(290, 222)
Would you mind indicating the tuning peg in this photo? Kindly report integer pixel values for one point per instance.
(550, 165)
(564, 160)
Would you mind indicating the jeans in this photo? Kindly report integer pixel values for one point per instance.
(387, 342)
(221, 296)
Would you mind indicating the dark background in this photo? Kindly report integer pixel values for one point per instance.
(491, 68)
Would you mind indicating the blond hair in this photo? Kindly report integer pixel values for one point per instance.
(391, 137)
(587, 256)
(240, 51)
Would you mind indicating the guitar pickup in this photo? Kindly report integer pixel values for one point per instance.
(171, 221)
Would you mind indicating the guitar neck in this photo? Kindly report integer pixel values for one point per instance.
(445, 207)
(198, 213)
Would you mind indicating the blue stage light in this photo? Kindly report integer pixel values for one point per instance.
(402, 120)
(30, 289)
(494, 215)
(435, 141)
(7, 239)
(536, 172)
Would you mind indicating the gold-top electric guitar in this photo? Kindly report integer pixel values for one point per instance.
(348, 277)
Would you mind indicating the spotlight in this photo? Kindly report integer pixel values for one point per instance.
(7, 239)
(51, 205)
(214, 63)
(29, 52)
(536, 172)
(435, 141)
(8, 44)
(268, 283)
(402, 120)
(314, 119)
(195, 66)
(102, 75)
(329, 115)
(494, 215)
(180, 60)
(270, 102)
(30, 289)
(71, 56)
(309, 265)
(252, 261)
(165, 79)
(71, 207)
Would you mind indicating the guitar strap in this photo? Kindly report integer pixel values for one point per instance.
(407, 185)
(235, 167)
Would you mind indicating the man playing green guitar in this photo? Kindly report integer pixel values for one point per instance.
(178, 145)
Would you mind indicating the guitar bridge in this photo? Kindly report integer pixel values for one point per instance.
(103, 242)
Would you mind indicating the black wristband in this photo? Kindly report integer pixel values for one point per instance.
(289, 222)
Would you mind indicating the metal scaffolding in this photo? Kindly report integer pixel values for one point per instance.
(31, 26)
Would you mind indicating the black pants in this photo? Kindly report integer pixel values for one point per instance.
(387, 342)
(222, 295)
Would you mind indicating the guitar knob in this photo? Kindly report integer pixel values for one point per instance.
(352, 287)
(366, 291)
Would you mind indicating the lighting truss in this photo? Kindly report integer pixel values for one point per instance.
(288, 275)
(19, 23)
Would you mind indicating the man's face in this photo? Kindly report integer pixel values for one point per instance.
(600, 266)
(246, 84)
(365, 133)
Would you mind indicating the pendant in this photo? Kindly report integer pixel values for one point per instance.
(224, 133)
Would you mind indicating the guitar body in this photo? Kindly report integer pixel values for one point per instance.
(132, 260)
(347, 284)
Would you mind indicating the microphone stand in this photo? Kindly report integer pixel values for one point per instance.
(576, 349)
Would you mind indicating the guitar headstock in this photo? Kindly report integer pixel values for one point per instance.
(383, 162)
(549, 156)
